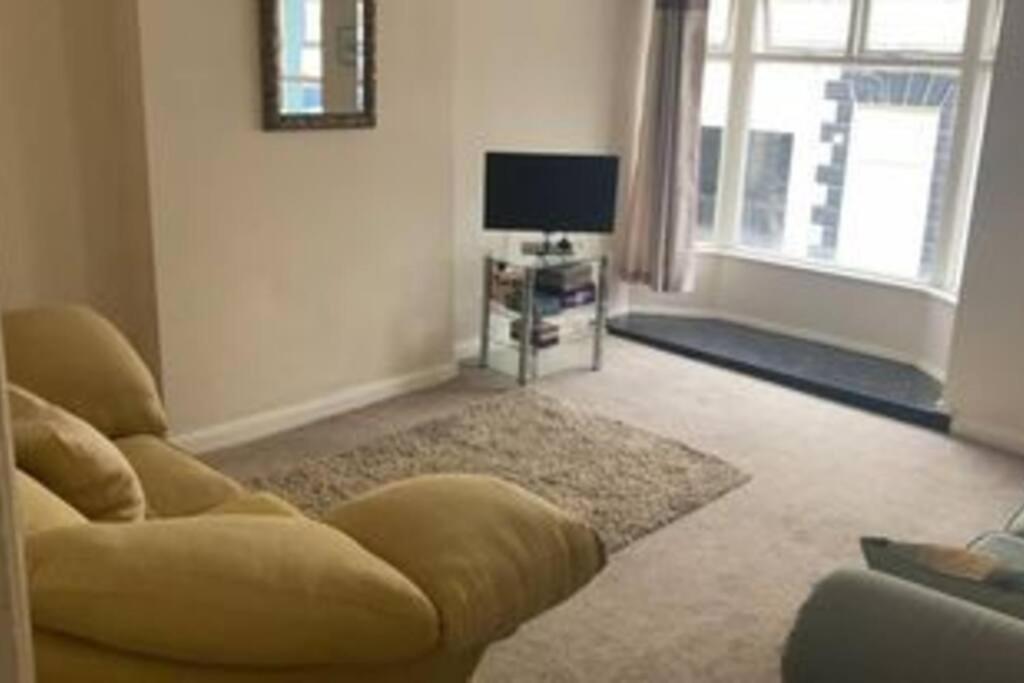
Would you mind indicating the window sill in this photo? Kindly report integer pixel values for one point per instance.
(779, 261)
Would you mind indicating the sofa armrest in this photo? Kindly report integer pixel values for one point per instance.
(258, 591)
(488, 554)
(861, 626)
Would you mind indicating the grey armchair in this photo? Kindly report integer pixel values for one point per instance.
(862, 626)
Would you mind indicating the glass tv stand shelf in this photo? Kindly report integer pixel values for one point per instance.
(540, 305)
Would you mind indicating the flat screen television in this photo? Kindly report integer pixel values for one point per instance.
(551, 193)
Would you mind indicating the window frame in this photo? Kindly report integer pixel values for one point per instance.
(973, 66)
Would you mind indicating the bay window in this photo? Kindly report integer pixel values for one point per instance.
(845, 133)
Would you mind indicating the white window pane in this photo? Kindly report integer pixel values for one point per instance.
(313, 97)
(314, 21)
(822, 25)
(714, 114)
(715, 98)
(718, 22)
(766, 195)
(312, 65)
(849, 165)
(891, 156)
(918, 25)
(784, 150)
(299, 97)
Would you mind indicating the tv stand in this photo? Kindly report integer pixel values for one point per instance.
(527, 307)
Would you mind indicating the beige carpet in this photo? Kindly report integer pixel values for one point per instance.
(625, 481)
(710, 597)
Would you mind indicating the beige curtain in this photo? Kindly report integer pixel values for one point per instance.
(662, 205)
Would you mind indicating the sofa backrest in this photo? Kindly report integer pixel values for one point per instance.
(78, 360)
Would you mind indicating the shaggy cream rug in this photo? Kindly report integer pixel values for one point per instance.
(625, 481)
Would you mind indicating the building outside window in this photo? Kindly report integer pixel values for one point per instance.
(845, 133)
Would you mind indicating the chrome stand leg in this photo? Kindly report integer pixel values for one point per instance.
(526, 332)
(485, 321)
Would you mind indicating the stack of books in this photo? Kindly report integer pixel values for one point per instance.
(557, 289)
(545, 334)
(570, 286)
(544, 304)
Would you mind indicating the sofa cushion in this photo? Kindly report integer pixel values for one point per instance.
(41, 509)
(251, 591)
(74, 358)
(488, 554)
(73, 460)
(256, 504)
(176, 483)
(976, 575)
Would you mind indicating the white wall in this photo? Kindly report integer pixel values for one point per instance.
(531, 75)
(903, 324)
(986, 387)
(293, 266)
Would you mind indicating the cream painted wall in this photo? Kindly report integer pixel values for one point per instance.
(72, 163)
(43, 252)
(987, 375)
(294, 265)
(907, 325)
(531, 75)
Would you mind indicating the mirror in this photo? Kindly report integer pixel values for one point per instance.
(319, 64)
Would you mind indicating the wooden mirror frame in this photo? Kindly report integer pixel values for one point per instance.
(270, 57)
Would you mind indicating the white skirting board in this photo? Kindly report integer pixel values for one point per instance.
(260, 425)
(995, 436)
(468, 349)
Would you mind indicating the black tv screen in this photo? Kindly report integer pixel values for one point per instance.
(551, 193)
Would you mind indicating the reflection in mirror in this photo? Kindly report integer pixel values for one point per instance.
(318, 64)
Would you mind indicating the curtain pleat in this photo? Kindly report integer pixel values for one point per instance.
(663, 200)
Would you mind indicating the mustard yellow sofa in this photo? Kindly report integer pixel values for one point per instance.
(147, 566)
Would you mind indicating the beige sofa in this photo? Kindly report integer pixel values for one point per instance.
(146, 565)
